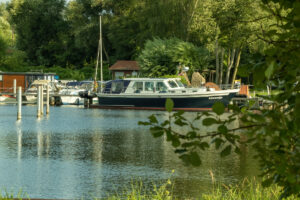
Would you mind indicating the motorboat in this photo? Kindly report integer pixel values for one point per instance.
(31, 92)
(151, 93)
(70, 94)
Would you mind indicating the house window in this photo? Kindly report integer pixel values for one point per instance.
(119, 75)
(1, 79)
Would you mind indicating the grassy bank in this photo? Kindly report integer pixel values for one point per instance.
(246, 190)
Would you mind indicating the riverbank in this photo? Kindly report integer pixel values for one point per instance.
(247, 189)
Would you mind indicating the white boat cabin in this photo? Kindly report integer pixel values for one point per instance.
(149, 86)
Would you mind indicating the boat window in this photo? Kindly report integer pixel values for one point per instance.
(149, 86)
(179, 83)
(138, 86)
(172, 84)
(161, 87)
(117, 87)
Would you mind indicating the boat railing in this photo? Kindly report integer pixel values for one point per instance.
(228, 86)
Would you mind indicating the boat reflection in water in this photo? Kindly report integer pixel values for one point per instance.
(151, 93)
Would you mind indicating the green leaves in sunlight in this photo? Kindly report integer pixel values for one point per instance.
(169, 105)
(218, 108)
(209, 121)
(187, 138)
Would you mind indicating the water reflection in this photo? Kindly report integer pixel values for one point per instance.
(78, 153)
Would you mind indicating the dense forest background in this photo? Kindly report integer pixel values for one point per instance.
(226, 36)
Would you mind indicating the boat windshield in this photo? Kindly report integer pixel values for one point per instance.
(172, 84)
(180, 84)
(117, 87)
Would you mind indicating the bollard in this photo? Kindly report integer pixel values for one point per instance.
(38, 101)
(42, 100)
(15, 88)
(19, 116)
(47, 101)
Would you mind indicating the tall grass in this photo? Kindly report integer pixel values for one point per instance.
(139, 192)
(246, 190)
(5, 195)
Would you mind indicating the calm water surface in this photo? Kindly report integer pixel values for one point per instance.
(85, 153)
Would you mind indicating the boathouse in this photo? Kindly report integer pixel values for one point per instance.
(124, 68)
(23, 79)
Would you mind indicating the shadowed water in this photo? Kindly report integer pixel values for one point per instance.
(77, 152)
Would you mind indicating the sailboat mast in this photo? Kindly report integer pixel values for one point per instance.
(101, 61)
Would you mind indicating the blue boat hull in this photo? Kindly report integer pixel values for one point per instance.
(184, 102)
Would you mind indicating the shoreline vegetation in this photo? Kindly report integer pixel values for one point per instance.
(246, 189)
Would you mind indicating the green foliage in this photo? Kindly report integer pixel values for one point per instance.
(14, 61)
(40, 32)
(190, 144)
(162, 57)
(163, 191)
(272, 131)
(247, 189)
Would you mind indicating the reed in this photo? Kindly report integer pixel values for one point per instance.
(247, 189)
(139, 192)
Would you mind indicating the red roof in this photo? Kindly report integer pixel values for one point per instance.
(125, 65)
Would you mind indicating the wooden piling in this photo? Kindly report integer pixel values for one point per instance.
(86, 103)
(15, 87)
(42, 100)
(38, 100)
(47, 101)
(19, 115)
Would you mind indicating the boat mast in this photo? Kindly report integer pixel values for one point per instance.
(101, 61)
(99, 53)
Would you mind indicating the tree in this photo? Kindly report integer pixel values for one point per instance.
(162, 57)
(40, 28)
(275, 131)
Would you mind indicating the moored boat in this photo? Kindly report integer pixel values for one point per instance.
(151, 93)
(70, 94)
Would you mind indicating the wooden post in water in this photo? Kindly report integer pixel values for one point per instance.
(15, 87)
(47, 101)
(38, 102)
(42, 100)
(86, 102)
(19, 115)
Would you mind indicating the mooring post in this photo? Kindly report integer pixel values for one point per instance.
(47, 101)
(86, 102)
(15, 87)
(38, 101)
(19, 116)
(42, 100)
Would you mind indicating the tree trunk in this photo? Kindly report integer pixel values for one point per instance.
(237, 63)
(229, 64)
(217, 63)
(221, 66)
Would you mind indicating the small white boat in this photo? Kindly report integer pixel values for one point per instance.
(31, 92)
(70, 94)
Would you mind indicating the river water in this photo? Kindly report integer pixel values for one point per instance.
(86, 153)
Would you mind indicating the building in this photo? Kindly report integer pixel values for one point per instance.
(23, 79)
(124, 68)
